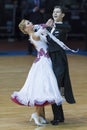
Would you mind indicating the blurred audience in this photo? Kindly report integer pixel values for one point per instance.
(84, 5)
(32, 10)
(39, 11)
(49, 6)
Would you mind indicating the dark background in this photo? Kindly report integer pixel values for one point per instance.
(11, 12)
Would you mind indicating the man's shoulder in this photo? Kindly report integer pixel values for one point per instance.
(65, 26)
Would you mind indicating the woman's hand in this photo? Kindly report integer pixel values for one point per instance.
(49, 22)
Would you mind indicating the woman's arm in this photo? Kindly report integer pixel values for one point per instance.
(39, 34)
(35, 37)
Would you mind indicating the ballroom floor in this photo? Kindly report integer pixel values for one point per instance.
(13, 72)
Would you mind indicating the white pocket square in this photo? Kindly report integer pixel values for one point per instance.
(56, 31)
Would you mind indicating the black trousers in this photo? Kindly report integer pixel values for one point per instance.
(57, 112)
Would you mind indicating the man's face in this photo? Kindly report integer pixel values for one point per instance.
(57, 15)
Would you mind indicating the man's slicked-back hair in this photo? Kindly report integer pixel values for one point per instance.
(60, 7)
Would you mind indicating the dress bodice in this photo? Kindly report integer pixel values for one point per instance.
(40, 44)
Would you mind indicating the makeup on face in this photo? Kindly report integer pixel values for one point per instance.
(28, 25)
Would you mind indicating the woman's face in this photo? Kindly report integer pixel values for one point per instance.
(28, 26)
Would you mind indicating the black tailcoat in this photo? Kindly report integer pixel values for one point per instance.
(59, 61)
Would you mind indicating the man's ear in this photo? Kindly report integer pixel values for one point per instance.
(63, 15)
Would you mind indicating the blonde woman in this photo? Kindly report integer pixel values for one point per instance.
(40, 87)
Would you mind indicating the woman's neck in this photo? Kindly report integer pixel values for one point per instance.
(30, 32)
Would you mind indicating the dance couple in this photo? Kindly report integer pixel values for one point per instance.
(48, 74)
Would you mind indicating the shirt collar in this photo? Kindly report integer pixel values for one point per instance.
(58, 22)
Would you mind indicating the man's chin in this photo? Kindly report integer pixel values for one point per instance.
(55, 19)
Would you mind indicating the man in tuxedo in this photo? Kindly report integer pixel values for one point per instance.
(60, 63)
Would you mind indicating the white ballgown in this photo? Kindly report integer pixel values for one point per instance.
(40, 87)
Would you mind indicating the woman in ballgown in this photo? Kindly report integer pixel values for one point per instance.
(40, 87)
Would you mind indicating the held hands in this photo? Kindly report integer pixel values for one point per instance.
(49, 22)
